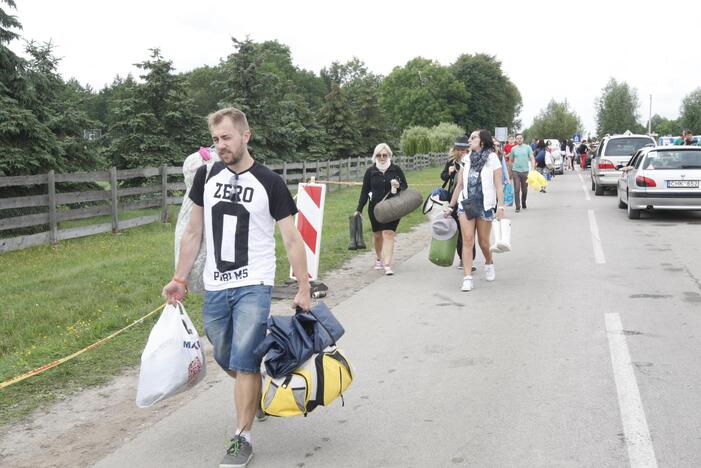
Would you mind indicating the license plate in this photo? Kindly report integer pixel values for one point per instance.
(682, 184)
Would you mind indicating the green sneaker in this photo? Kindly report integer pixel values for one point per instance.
(238, 454)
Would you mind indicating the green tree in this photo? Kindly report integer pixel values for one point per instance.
(336, 117)
(362, 90)
(422, 93)
(617, 109)
(280, 101)
(205, 87)
(154, 123)
(555, 121)
(443, 135)
(41, 117)
(494, 101)
(415, 140)
(663, 126)
(690, 111)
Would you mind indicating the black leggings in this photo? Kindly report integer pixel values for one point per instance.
(454, 214)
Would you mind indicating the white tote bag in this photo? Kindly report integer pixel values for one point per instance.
(173, 360)
(501, 236)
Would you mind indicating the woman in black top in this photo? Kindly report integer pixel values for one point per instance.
(382, 178)
(449, 174)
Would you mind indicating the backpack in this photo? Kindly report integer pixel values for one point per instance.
(318, 382)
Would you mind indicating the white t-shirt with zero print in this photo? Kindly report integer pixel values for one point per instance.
(239, 223)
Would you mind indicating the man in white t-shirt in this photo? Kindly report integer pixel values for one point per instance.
(237, 205)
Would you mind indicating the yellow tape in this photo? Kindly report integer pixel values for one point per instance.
(55, 363)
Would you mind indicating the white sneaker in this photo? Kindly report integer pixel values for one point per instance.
(388, 270)
(379, 265)
(466, 284)
(490, 273)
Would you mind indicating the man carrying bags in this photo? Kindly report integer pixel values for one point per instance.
(237, 205)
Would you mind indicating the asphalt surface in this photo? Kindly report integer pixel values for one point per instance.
(520, 372)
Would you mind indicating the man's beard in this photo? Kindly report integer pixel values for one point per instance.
(236, 156)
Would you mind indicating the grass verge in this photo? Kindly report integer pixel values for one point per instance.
(59, 299)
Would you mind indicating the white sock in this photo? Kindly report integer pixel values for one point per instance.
(246, 435)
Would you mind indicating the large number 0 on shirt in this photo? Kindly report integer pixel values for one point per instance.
(231, 252)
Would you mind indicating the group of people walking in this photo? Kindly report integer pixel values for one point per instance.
(475, 176)
(236, 204)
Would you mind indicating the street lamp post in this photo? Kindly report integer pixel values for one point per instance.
(649, 119)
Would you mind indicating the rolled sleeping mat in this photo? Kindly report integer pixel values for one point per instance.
(444, 239)
(395, 207)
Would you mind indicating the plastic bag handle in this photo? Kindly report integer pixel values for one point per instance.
(181, 309)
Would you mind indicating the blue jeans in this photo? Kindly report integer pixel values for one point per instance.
(235, 321)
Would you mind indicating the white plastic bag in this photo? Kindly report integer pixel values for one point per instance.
(173, 360)
(549, 159)
(501, 236)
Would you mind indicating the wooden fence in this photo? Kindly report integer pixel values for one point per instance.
(167, 190)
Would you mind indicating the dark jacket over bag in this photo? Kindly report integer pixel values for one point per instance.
(379, 184)
(293, 339)
(450, 178)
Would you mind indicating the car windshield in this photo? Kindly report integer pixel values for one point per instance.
(625, 146)
(661, 160)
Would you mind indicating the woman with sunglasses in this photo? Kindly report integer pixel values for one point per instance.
(382, 178)
(478, 191)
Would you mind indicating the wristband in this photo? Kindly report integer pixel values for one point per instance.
(180, 281)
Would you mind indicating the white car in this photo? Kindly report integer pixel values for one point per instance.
(613, 153)
(661, 178)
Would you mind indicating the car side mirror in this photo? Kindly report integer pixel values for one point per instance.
(627, 168)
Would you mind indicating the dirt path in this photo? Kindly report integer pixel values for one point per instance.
(84, 428)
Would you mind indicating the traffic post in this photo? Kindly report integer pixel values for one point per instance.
(309, 221)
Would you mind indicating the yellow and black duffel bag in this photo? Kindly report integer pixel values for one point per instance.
(319, 381)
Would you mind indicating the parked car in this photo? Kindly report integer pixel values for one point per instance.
(661, 178)
(613, 153)
(558, 157)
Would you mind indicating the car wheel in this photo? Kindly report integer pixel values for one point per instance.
(633, 214)
(621, 205)
(598, 190)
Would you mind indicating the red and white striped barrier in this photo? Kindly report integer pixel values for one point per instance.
(309, 220)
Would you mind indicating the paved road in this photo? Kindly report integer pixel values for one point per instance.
(531, 370)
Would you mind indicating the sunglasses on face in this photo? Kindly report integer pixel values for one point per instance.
(234, 181)
(383, 155)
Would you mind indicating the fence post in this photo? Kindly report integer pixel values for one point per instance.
(328, 174)
(115, 200)
(304, 171)
(53, 225)
(349, 169)
(340, 175)
(164, 193)
(284, 171)
(357, 168)
(317, 173)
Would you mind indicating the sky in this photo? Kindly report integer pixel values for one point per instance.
(549, 49)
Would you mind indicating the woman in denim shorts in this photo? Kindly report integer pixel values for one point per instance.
(479, 188)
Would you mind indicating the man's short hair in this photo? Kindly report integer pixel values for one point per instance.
(237, 117)
(518, 135)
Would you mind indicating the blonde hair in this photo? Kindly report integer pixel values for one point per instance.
(237, 117)
(380, 147)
